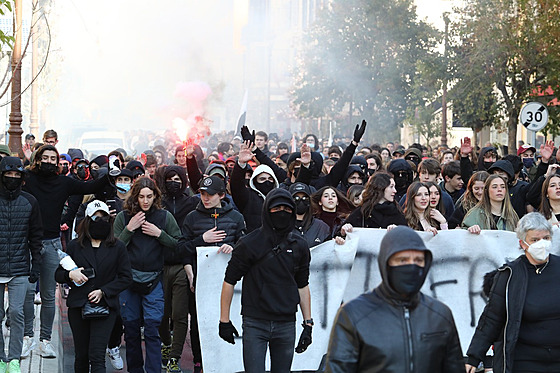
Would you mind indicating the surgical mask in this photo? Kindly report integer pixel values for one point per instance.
(173, 187)
(528, 162)
(11, 183)
(311, 145)
(406, 279)
(264, 187)
(48, 169)
(280, 219)
(123, 187)
(539, 250)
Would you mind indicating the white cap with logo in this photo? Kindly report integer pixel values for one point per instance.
(96, 205)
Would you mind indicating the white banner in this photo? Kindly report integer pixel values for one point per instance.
(460, 260)
(329, 271)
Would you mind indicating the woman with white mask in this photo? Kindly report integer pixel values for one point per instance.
(522, 317)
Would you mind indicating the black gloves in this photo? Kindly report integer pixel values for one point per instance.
(227, 331)
(359, 131)
(305, 338)
(34, 275)
(246, 135)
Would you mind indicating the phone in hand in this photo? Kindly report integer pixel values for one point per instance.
(89, 273)
(112, 204)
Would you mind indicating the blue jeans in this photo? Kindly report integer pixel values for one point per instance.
(279, 336)
(17, 287)
(136, 308)
(47, 285)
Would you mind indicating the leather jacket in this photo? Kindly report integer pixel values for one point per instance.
(372, 335)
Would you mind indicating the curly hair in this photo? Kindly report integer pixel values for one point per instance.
(131, 204)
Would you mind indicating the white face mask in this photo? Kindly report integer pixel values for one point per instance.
(539, 250)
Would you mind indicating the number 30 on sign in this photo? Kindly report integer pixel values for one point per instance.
(534, 116)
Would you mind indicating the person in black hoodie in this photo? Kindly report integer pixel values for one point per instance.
(312, 229)
(274, 264)
(395, 327)
(175, 284)
(213, 223)
(402, 173)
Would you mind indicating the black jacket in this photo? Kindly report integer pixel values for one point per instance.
(384, 331)
(383, 215)
(112, 273)
(318, 232)
(201, 220)
(273, 264)
(501, 319)
(21, 232)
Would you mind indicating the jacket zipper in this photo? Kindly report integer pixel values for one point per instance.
(409, 335)
(507, 318)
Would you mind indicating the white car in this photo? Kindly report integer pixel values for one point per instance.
(101, 142)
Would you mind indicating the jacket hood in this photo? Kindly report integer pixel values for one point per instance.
(176, 170)
(398, 165)
(349, 171)
(277, 197)
(481, 156)
(10, 164)
(505, 166)
(396, 240)
(259, 170)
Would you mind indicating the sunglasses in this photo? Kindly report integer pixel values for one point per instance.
(13, 167)
(299, 198)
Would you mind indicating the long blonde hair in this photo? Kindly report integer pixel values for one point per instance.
(485, 208)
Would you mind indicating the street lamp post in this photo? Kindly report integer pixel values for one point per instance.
(15, 130)
(444, 93)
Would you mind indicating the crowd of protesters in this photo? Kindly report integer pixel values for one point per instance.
(121, 232)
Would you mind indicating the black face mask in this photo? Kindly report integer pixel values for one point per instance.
(82, 173)
(265, 187)
(173, 187)
(64, 169)
(280, 219)
(335, 159)
(302, 206)
(401, 182)
(99, 229)
(296, 172)
(247, 182)
(11, 183)
(94, 174)
(48, 169)
(370, 171)
(407, 279)
(487, 165)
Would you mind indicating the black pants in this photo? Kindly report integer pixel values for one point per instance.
(90, 340)
(195, 337)
(116, 334)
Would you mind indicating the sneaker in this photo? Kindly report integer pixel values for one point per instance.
(46, 349)
(197, 368)
(13, 367)
(3, 366)
(114, 355)
(28, 346)
(165, 352)
(37, 299)
(173, 366)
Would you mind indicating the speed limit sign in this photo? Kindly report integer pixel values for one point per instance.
(534, 116)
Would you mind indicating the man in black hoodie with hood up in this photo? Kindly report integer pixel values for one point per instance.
(274, 264)
(396, 328)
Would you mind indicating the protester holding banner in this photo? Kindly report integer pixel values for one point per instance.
(494, 211)
(521, 318)
(418, 213)
(331, 206)
(274, 264)
(395, 327)
(469, 199)
(147, 230)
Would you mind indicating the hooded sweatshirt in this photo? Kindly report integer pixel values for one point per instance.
(249, 200)
(273, 263)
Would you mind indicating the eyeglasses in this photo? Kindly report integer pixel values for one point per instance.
(299, 198)
(100, 218)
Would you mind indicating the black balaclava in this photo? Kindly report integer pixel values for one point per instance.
(11, 185)
(173, 188)
(400, 285)
(279, 223)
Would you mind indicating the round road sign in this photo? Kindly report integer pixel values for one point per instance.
(534, 116)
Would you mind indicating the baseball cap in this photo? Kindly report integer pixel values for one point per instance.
(523, 148)
(216, 169)
(212, 185)
(300, 188)
(96, 205)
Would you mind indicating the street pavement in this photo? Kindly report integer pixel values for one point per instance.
(63, 342)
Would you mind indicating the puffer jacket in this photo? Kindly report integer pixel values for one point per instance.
(384, 331)
(201, 220)
(501, 319)
(20, 233)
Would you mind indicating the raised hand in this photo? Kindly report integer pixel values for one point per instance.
(245, 154)
(546, 150)
(359, 131)
(305, 158)
(246, 135)
(466, 147)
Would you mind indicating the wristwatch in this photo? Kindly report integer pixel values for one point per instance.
(309, 322)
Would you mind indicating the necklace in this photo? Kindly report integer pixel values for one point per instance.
(538, 270)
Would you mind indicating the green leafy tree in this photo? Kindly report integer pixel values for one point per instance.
(360, 57)
(6, 40)
(506, 46)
